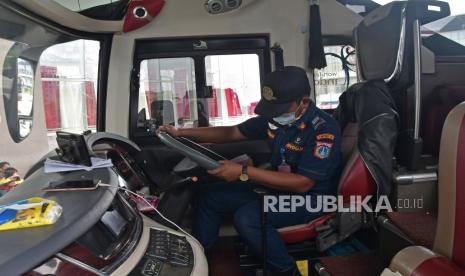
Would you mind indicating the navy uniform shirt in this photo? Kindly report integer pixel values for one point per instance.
(311, 146)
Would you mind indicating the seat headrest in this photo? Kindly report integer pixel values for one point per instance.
(384, 39)
(163, 112)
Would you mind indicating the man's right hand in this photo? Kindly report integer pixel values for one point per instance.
(171, 130)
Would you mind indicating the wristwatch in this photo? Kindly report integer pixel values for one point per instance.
(244, 177)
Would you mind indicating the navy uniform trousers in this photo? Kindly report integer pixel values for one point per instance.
(218, 200)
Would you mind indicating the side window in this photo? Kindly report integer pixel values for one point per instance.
(167, 91)
(334, 79)
(235, 83)
(68, 74)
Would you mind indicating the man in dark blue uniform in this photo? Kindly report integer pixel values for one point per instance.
(306, 156)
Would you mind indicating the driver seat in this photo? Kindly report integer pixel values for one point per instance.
(355, 180)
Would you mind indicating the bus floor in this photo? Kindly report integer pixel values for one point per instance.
(223, 260)
(349, 258)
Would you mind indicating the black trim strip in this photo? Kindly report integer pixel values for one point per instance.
(102, 86)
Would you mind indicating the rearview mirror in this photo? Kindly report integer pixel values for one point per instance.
(18, 92)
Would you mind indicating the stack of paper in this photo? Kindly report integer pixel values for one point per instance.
(52, 166)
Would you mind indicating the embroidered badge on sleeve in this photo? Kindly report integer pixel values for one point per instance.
(325, 136)
(322, 150)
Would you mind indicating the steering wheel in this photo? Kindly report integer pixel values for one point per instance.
(199, 154)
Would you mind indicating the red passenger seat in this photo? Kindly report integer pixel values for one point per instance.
(420, 228)
(447, 256)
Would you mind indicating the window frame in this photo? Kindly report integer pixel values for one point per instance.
(104, 39)
(183, 48)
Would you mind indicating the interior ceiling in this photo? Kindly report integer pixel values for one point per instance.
(62, 15)
(67, 13)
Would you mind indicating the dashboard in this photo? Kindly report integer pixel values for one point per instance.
(100, 232)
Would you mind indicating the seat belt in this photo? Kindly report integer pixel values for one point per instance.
(316, 58)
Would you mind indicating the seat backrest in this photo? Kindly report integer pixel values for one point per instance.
(355, 178)
(389, 30)
(438, 105)
(450, 231)
(381, 30)
(163, 112)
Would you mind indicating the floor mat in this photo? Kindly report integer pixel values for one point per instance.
(356, 265)
(223, 260)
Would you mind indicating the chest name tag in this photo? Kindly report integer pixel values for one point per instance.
(294, 147)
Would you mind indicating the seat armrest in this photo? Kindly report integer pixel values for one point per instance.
(420, 261)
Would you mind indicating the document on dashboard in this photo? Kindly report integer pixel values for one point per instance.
(51, 165)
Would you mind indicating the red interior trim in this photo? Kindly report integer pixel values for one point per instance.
(153, 8)
(437, 266)
(458, 254)
(306, 232)
(358, 181)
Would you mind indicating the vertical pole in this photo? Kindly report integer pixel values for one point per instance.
(417, 59)
(262, 193)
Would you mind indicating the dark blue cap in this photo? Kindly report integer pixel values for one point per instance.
(280, 89)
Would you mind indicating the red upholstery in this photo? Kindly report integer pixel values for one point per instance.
(438, 266)
(458, 254)
(357, 180)
(442, 100)
(419, 227)
(303, 232)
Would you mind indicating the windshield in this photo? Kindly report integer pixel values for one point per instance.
(451, 27)
(456, 6)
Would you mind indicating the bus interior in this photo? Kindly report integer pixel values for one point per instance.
(110, 72)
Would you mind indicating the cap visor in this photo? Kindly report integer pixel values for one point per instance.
(269, 110)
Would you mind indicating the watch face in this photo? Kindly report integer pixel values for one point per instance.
(244, 177)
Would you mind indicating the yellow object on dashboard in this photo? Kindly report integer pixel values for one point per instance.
(31, 212)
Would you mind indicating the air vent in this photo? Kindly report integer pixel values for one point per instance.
(233, 4)
(215, 7)
(222, 6)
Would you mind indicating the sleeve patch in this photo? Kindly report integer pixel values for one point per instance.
(322, 150)
(317, 122)
(325, 136)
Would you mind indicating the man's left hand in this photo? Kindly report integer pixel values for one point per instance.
(228, 171)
